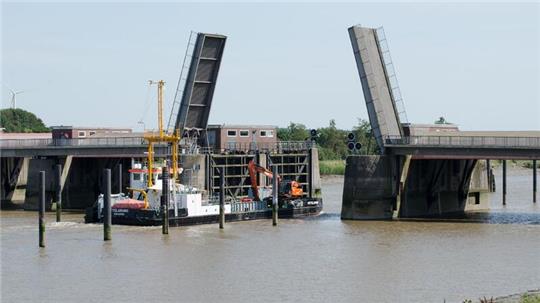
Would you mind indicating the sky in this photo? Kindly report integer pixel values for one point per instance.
(478, 65)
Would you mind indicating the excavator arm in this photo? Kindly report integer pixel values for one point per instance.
(255, 169)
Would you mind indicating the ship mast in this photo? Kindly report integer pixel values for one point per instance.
(161, 137)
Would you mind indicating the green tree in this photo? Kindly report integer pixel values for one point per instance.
(293, 132)
(332, 142)
(20, 121)
(442, 120)
(364, 135)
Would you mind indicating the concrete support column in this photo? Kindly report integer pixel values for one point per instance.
(488, 173)
(504, 181)
(58, 192)
(401, 185)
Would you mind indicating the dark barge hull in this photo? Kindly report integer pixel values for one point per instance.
(142, 217)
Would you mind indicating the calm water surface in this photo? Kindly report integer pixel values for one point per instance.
(319, 259)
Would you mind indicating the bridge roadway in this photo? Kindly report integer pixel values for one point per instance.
(116, 147)
(468, 145)
(107, 147)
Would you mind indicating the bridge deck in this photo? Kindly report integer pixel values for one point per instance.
(463, 145)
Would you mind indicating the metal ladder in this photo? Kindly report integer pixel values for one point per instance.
(188, 56)
(391, 73)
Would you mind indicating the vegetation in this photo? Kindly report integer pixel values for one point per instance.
(20, 121)
(332, 141)
(441, 120)
(530, 298)
(332, 167)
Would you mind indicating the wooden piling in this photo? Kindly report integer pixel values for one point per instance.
(58, 192)
(107, 216)
(534, 181)
(222, 199)
(41, 215)
(275, 194)
(165, 200)
(504, 181)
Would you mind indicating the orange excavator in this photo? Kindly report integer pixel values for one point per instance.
(288, 190)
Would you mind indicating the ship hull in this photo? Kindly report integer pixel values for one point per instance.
(143, 217)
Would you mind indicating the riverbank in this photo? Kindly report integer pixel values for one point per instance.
(531, 296)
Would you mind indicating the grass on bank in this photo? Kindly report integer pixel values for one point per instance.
(332, 167)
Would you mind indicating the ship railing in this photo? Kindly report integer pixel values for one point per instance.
(465, 141)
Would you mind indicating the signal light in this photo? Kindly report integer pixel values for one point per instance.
(352, 145)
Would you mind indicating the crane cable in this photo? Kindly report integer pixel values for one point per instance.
(146, 104)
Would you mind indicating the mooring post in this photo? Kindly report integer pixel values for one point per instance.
(275, 193)
(120, 178)
(504, 181)
(165, 200)
(107, 220)
(41, 214)
(222, 199)
(534, 181)
(58, 197)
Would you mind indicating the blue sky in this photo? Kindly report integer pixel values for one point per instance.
(478, 65)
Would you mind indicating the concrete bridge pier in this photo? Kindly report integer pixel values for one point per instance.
(386, 187)
(438, 187)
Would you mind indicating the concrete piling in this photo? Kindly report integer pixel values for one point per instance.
(275, 194)
(58, 192)
(165, 200)
(534, 181)
(107, 216)
(41, 215)
(222, 199)
(504, 181)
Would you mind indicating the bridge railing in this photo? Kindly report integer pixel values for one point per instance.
(83, 142)
(281, 146)
(466, 141)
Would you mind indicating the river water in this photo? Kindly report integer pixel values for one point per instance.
(320, 259)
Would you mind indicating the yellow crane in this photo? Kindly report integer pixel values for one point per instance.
(161, 137)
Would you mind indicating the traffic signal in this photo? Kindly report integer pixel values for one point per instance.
(352, 145)
(313, 134)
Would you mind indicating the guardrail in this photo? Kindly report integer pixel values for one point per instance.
(466, 141)
(271, 147)
(80, 142)
(140, 141)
